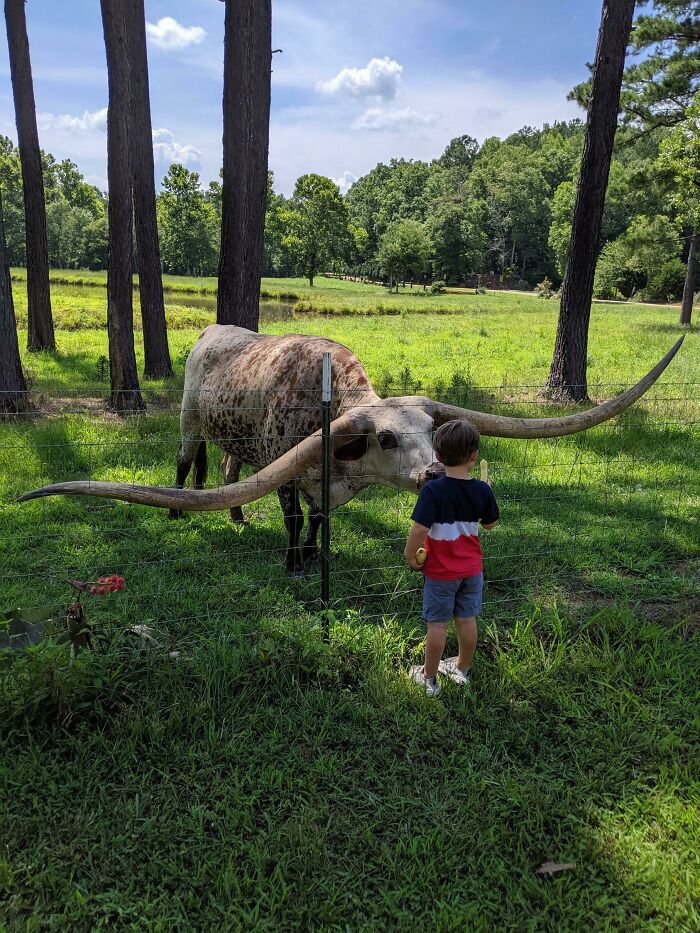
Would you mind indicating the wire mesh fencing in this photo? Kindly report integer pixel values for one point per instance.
(605, 517)
(600, 518)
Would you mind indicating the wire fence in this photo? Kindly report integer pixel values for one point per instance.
(603, 518)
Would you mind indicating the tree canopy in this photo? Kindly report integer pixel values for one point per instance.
(316, 224)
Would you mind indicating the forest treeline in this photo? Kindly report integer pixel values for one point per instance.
(502, 208)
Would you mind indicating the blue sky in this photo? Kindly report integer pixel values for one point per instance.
(358, 82)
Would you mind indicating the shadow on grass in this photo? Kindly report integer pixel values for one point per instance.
(557, 538)
(669, 328)
(60, 457)
(75, 371)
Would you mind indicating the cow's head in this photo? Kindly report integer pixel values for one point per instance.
(387, 441)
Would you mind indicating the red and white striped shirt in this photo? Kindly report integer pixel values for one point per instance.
(452, 510)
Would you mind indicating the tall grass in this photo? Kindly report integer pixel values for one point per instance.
(260, 779)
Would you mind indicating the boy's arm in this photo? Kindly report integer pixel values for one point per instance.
(416, 539)
(493, 512)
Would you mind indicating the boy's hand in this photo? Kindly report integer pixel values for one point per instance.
(416, 539)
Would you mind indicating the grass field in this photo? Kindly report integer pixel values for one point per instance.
(77, 297)
(264, 781)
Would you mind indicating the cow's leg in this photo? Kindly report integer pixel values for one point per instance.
(200, 466)
(188, 452)
(232, 473)
(294, 522)
(309, 551)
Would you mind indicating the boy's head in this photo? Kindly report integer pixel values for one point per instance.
(456, 442)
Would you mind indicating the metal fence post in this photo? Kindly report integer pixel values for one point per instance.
(326, 496)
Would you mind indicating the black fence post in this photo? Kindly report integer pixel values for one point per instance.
(326, 496)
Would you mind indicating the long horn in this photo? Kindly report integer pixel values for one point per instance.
(285, 468)
(503, 426)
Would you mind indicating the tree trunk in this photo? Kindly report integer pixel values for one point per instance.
(567, 375)
(40, 335)
(247, 69)
(690, 273)
(14, 397)
(125, 396)
(155, 336)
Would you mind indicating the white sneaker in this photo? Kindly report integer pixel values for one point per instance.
(449, 668)
(429, 684)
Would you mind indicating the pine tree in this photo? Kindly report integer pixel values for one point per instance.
(247, 68)
(125, 396)
(40, 334)
(155, 336)
(13, 386)
(567, 375)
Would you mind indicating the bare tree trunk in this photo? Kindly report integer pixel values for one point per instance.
(567, 375)
(247, 67)
(40, 334)
(690, 273)
(14, 397)
(155, 336)
(125, 393)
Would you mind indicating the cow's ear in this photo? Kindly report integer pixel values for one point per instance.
(387, 440)
(354, 449)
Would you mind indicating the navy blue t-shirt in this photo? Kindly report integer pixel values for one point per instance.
(452, 509)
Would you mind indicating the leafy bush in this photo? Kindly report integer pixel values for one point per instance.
(617, 274)
(667, 284)
(437, 287)
(544, 288)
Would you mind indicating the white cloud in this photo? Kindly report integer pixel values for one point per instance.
(170, 35)
(70, 124)
(381, 78)
(166, 149)
(395, 121)
(321, 143)
(345, 181)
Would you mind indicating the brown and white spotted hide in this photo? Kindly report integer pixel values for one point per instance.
(256, 396)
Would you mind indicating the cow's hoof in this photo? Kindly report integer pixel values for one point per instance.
(175, 513)
(237, 517)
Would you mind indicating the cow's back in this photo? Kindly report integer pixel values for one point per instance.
(257, 395)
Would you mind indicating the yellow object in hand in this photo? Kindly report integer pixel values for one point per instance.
(421, 556)
(484, 471)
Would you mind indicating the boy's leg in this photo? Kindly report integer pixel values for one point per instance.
(434, 647)
(466, 638)
(467, 608)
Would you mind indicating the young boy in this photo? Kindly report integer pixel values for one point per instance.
(446, 522)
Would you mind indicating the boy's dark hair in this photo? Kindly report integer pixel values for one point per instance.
(455, 442)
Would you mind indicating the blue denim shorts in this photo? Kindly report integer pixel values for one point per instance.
(444, 599)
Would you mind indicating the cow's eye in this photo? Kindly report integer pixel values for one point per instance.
(352, 450)
(387, 440)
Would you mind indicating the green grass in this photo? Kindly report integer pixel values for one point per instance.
(499, 340)
(190, 302)
(264, 781)
(276, 288)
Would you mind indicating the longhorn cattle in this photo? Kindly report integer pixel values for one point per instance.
(258, 398)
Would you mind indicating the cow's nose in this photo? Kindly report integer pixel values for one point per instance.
(434, 471)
